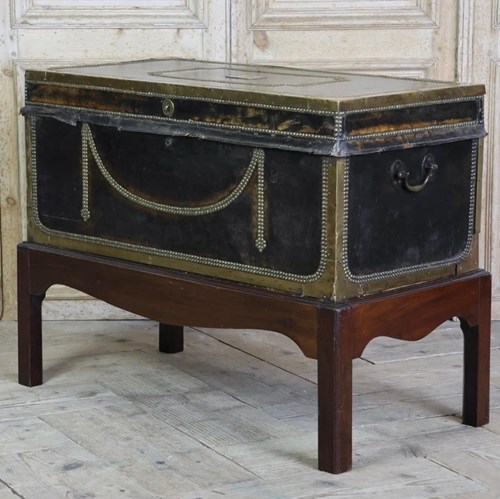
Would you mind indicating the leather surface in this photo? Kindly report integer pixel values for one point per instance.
(390, 227)
(186, 172)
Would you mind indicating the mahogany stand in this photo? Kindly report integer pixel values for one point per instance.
(334, 333)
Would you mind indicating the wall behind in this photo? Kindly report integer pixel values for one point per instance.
(442, 39)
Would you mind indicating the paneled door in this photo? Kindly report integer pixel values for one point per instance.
(415, 38)
(441, 39)
(483, 64)
(44, 33)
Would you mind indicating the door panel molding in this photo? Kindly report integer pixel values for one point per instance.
(110, 14)
(42, 33)
(356, 14)
(491, 185)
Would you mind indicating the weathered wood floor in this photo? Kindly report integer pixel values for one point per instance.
(235, 416)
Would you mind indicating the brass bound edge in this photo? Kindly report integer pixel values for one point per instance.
(338, 115)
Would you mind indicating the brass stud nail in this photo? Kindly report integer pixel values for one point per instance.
(168, 107)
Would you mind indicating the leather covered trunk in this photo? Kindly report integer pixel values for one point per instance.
(316, 183)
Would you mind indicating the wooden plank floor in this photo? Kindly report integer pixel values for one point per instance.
(234, 416)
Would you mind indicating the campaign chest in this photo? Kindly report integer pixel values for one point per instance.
(316, 183)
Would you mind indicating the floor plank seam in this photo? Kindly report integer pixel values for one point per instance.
(489, 430)
(450, 468)
(112, 465)
(211, 385)
(56, 400)
(456, 418)
(419, 357)
(254, 356)
(368, 361)
(213, 449)
(12, 489)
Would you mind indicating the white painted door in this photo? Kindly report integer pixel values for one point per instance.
(483, 64)
(443, 39)
(400, 37)
(43, 33)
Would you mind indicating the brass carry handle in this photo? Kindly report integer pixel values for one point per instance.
(399, 171)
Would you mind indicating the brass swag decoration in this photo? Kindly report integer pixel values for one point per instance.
(256, 164)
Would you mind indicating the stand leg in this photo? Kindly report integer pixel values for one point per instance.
(476, 393)
(334, 392)
(171, 338)
(29, 325)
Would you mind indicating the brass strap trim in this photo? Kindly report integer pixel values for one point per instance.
(336, 136)
(260, 105)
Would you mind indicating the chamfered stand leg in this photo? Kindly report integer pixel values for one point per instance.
(476, 388)
(171, 338)
(409, 314)
(334, 392)
(29, 310)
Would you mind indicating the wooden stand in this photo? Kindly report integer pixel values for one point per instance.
(334, 333)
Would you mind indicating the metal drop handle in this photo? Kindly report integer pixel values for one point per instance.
(399, 171)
